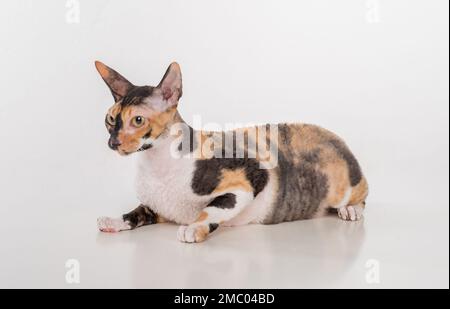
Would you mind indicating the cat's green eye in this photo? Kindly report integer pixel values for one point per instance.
(138, 121)
(110, 120)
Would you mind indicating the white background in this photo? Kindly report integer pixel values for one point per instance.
(375, 72)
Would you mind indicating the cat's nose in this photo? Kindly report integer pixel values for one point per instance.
(113, 143)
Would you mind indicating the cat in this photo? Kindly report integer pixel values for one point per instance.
(201, 180)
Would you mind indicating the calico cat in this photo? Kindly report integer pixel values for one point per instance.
(200, 180)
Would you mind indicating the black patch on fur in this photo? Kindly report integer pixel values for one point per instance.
(112, 143)
(208, 172)
(225, 201)
(302, 188)
(284, 133)
(354, 169)
(213, 227)
(136, 95)
(311, 157)
(147, 135)
(142, 215)
(190, 140)
(146, 146)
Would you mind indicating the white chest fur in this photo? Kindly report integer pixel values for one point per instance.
(163, 183)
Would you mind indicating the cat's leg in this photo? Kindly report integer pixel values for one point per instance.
(353, 210)
(140, 216)
(352, 201)
(223, 208)
(347, 209)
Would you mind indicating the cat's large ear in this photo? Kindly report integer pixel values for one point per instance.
(171, 85)
(118, 84)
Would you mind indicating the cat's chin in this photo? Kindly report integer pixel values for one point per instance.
(126, 153)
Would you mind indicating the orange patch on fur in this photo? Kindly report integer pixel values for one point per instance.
(160, 219)
(359, 193)
(201, 232)
(203, 216)
(160, 121)
(233, 179)
(126, 113)
(114, 110)
(338, 181)
(157, 122)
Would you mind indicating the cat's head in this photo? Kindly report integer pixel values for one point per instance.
(140, 114)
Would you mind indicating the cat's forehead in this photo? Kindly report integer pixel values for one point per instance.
(143, 98)
(130, 110)
(137, 96)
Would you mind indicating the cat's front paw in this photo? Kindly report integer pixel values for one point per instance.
(192, 233)
(112, 225)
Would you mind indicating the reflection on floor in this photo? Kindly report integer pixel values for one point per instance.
(377, 252)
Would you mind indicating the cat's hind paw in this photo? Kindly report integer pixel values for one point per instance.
(112, 225)
(351, 213)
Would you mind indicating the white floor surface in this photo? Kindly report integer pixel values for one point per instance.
(407, 250)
